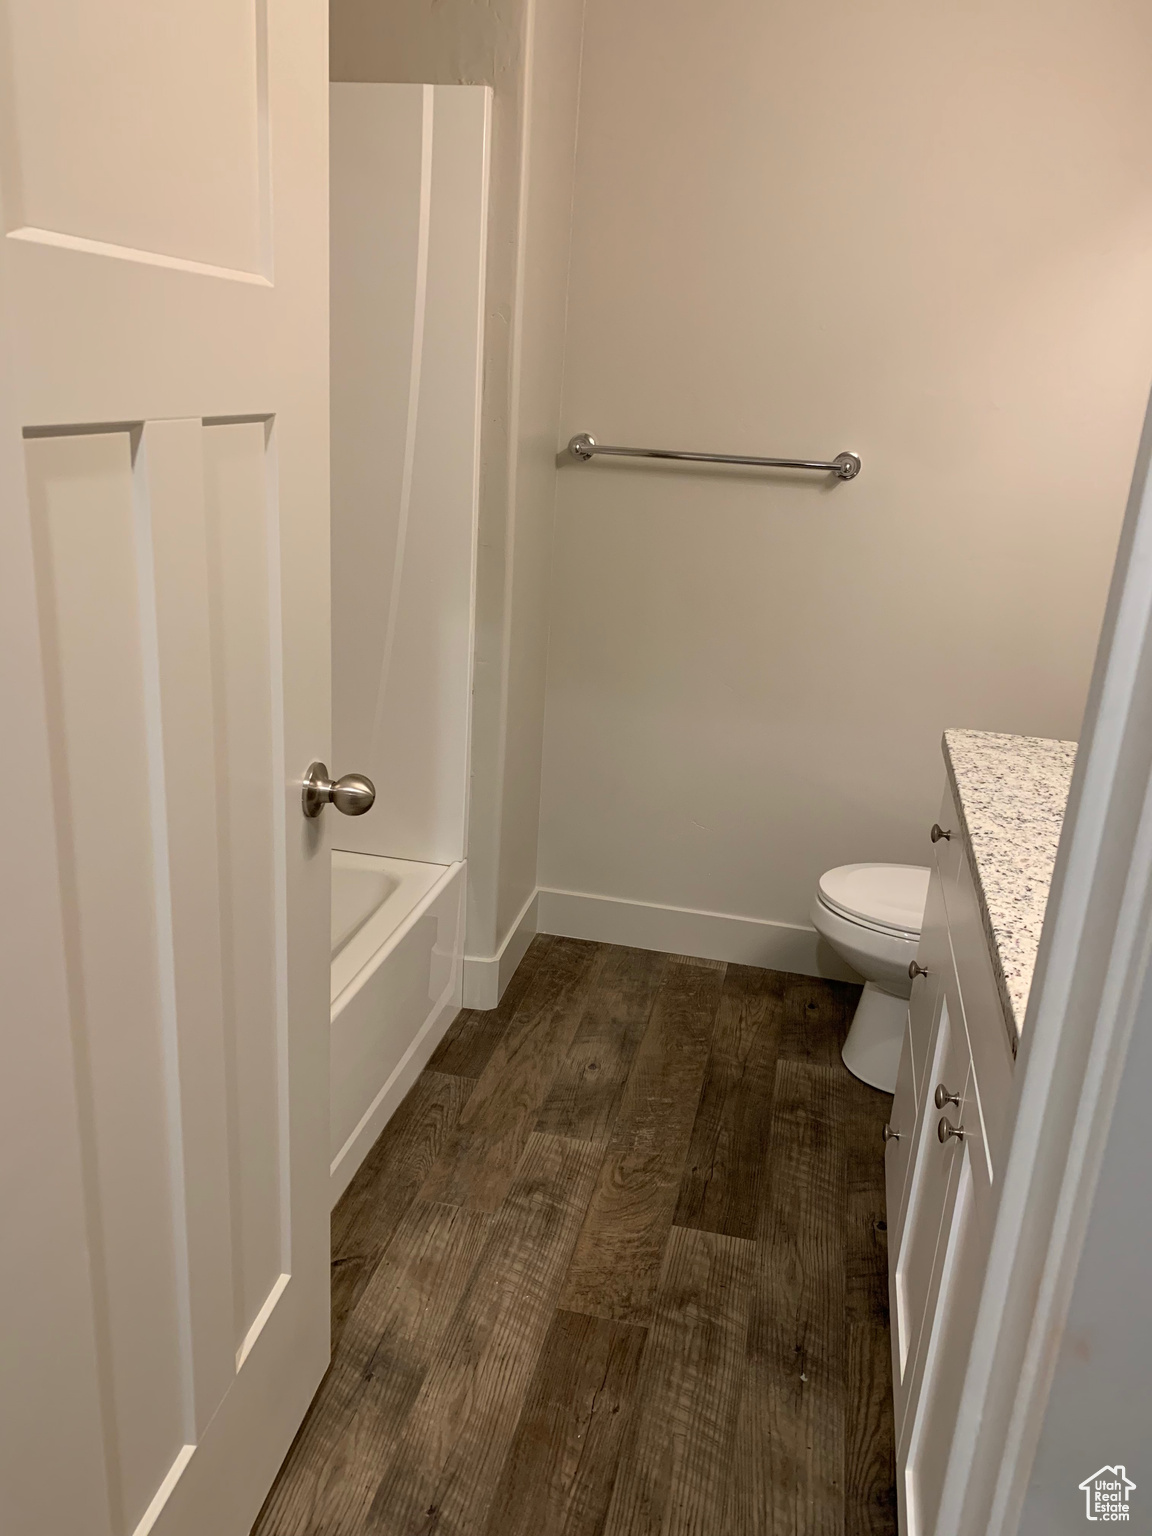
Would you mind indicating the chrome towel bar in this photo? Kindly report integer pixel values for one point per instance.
(845, 466)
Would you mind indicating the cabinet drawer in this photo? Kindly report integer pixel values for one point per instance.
(948, 852)
(984, 1020)
(919, 1222)
(898, 1148)
(934, 956)
(925, 1224)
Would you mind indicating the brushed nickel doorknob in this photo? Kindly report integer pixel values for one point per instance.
(944, 1097)
(888, 1134)
(352, 795)
(938, 832)
(915, 970)
(946, 1129)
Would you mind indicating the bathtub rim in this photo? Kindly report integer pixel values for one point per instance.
(355, 965)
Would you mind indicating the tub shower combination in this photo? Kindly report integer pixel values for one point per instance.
(408, 199)
(397, 948)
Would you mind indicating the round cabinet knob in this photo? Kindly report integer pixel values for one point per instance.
(888, 1134)
(946, 1129)
(943, 1097)
(352, 795)
(915, 970)
(938, 832)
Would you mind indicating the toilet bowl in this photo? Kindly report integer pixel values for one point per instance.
(871, 915)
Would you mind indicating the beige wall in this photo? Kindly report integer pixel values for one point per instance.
(922, 233)
(529, 51)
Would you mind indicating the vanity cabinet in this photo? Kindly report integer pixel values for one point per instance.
(944, 1147)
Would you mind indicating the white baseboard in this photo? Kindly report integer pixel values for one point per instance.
(486, 976)
(681, 931)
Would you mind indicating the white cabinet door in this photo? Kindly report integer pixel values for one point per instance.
(935, 1395)
(930, 1185)
(934, 956)
(164, 656)
(937, 1270)
(898, 1147)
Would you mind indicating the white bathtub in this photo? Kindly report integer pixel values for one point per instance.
(397, 964)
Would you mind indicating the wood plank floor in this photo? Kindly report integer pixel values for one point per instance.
(616, 1267)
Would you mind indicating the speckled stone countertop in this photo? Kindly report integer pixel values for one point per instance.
(1010, 794)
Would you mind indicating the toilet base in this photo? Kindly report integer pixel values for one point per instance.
(876, 1037)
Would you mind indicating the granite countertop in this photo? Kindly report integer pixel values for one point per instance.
(1010, 794)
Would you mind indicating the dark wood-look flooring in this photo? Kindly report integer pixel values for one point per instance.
(616, 1267)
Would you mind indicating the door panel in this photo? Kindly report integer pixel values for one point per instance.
(172, 581)
(114, 143)
(241, 541)
(164, 664)
(155, 576)
(102, 720)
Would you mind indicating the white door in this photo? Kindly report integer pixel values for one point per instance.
(165, 682)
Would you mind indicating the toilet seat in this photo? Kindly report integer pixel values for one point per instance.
(869, 927)
(886, 898)
(911, 934)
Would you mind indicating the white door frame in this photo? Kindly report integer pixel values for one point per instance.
(1091, 971)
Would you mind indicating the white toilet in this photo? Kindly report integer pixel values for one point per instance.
(871, 915)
